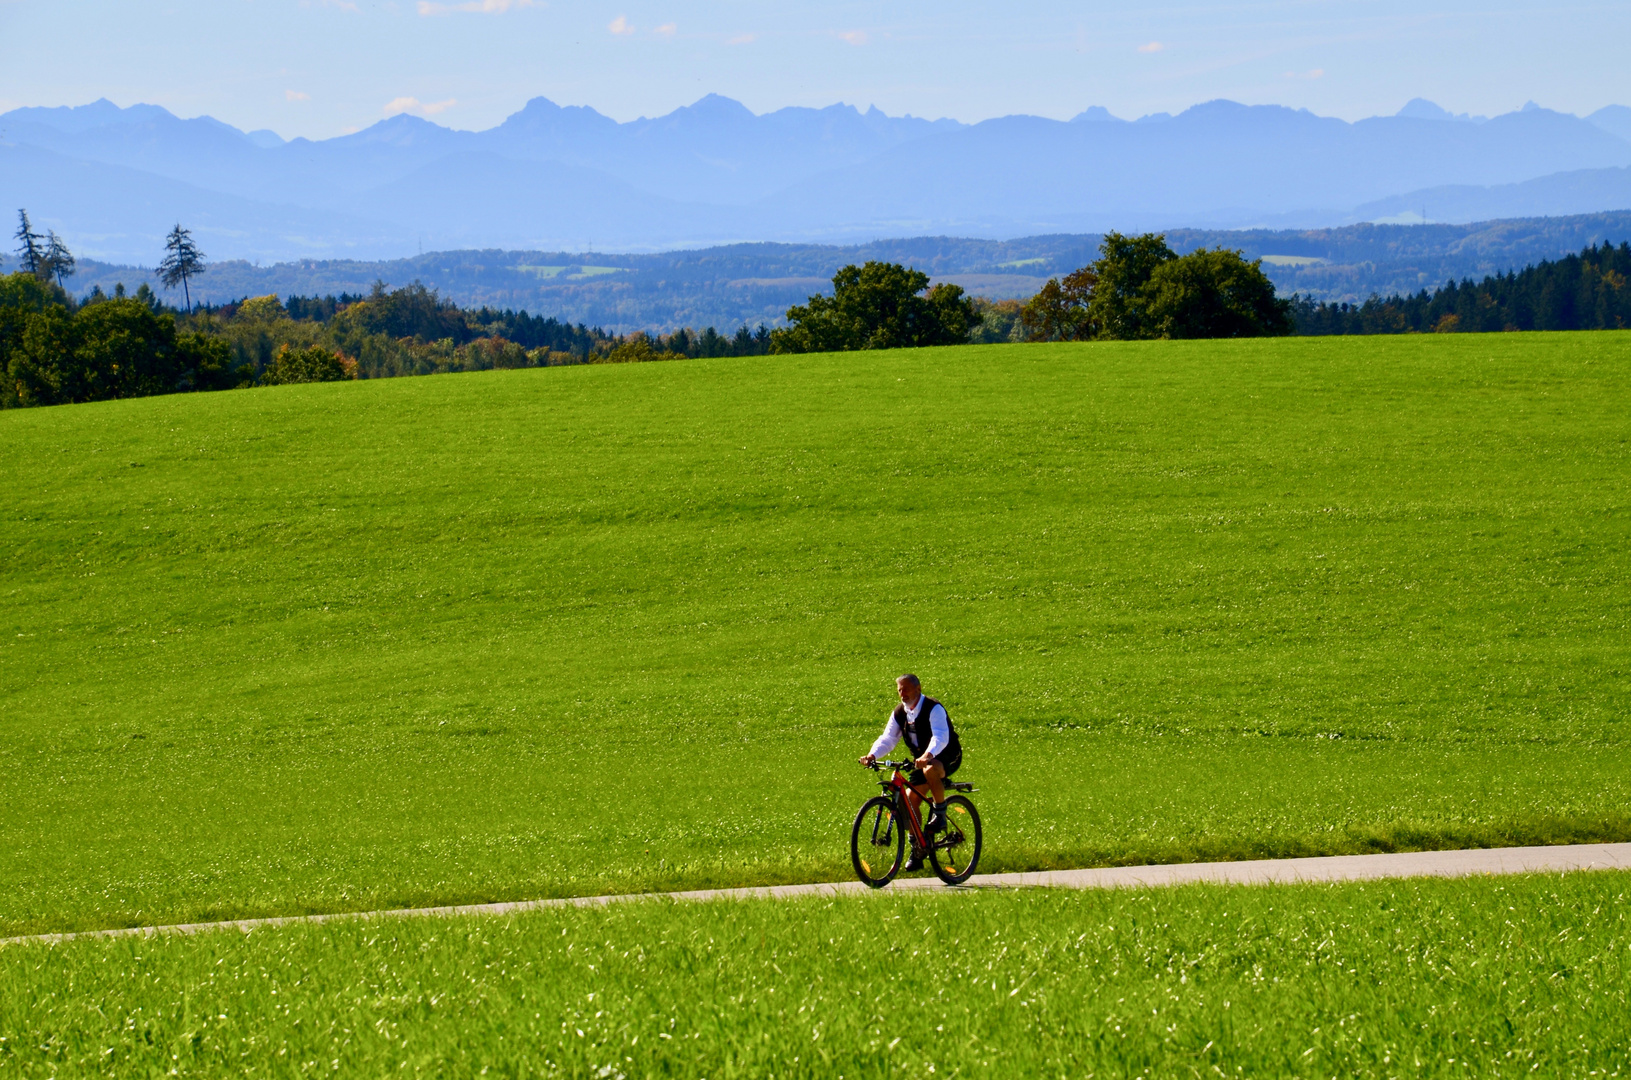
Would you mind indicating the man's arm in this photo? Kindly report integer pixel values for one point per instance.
(939, 731)
(886, 742)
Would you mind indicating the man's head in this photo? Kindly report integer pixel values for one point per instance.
(909, 689)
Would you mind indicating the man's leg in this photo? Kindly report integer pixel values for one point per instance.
(936, 777)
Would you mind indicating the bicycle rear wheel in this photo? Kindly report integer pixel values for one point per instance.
(956, 852)
(876, 841)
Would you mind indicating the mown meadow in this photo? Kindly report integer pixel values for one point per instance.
(600, 629)
(1481, 977)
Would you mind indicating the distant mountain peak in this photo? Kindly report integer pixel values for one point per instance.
(1422, 109)
(1614, 119)
(99, 113)
(1096, 114)
(720, 107)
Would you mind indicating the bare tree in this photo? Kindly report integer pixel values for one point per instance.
(28, 245)
(58, 262)
(182, 262)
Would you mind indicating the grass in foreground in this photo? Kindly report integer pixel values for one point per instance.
(600, 629)
(1478, 977)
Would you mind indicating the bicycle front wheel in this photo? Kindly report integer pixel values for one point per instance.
(956, 852)
(876, 842)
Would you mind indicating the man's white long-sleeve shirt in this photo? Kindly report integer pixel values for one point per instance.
(939, 730)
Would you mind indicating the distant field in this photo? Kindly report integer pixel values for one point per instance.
(563, 631)
(1480, 977)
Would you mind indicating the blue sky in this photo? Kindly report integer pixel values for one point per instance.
(322, 67)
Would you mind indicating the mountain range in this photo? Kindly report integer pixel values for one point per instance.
(113, 180)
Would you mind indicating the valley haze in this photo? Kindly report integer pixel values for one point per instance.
(112, 181)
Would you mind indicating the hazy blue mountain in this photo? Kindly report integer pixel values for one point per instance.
(1221, 163)
(714, 172)
(1581, 191)
(1422, 109)
(127, 211)
(1615, 119)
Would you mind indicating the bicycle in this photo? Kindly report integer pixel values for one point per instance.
(881, 830)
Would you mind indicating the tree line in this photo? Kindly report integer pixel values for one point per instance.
(1587, 291)
(58, 349)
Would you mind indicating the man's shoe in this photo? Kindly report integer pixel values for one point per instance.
(936, 822)
(913, 864)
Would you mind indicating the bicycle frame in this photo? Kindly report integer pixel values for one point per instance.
(897, 785)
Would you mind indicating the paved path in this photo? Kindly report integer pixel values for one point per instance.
(1257, 872)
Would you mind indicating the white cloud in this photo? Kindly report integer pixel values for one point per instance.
(1316, 73)
(295, 95)
(480, 7)
(854, 37)
(740, 39)
(1152, 47)
(666, 30)
(620, 25)
(417, 107)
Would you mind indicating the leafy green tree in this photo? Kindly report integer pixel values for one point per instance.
(123, 349)
(409, 312)
(1214, 294)
(877, 306)
(1060, 309)
(206, 363)
(182, 262)
(311, 364)
(1120, 297)
(30, 250)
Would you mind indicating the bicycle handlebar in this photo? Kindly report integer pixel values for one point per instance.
(896, 765)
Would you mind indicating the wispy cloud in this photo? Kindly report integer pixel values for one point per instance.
(854, 37)
(1152, 47)
(1315, 73)
(666, 30)
(295, 95)
(418, 108)
(620, 25)
(740, 39)
(479, 7)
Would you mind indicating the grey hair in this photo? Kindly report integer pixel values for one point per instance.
(910, 678)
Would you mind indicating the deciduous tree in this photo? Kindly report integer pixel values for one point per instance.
(1060, 309)
(877, 306)
(1214, 294)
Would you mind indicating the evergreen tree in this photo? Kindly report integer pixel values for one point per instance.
(58, 262)
(28, 245)
(182, 261)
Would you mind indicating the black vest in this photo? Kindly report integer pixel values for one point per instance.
(917, 733)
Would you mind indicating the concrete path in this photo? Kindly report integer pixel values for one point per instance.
(1447, 864)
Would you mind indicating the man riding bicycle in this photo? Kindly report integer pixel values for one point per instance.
(923, 723)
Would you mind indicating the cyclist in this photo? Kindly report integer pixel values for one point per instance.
(923, 723)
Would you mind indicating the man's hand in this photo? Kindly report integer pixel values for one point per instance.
(926, 760)
(868, 760)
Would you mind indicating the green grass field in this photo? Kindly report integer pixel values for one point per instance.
(1481, 977)
(599, 629)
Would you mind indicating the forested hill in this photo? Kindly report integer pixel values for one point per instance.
(756, 283)
(1588, 291)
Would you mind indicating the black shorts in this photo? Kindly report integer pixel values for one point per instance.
(948, 764)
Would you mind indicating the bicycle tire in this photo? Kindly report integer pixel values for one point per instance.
(876, 841)
(955, 854)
